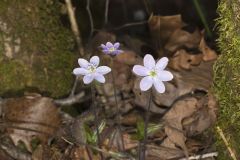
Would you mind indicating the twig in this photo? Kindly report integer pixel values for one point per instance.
(74, 87)
(131, 24)
(74, 26)
(220, 132)
(90, 18)
(106, 12)
(147, 7)
(70, 100)
(207, 155)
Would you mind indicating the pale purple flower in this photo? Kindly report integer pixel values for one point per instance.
(91, 71)
(111, 49)
(153, 73)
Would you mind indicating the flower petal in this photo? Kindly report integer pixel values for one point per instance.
(109, 45)
(100, 78)
(159, 86)
(116, 45)
(140, 70)
(83, 63)
(165, 75)
(103, 70)
(88, 79)
(80, 71)
(162, 63)
(149, 61)
(146, 83)
(95, 61)
(103, 46)
(106, 51)
(116, 52)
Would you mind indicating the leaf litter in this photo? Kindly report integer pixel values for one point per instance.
(182, 116)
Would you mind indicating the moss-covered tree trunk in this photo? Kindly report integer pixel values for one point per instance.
(227, 76)
(34, 48)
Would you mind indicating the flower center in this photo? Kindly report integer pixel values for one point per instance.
(92, 68)
(112, 49)
(153, 73)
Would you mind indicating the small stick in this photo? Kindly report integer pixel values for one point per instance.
(232, 154)
(131, 24)
(207, 155)
(106, 12)
(90, 18)
(74, 26)
(78, 98)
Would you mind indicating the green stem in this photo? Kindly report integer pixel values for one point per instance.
(202, 17)
(96, 119)
(118, 121)
(143, 145)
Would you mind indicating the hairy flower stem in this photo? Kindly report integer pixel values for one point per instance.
(94, 109)
(118, 120)
(143, 145)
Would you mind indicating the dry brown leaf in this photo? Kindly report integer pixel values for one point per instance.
(203, 118)
(186, 82)
(173, 119)
(129, 143)
(81, 152)
(162, 27)
(182, 38)
(183, 60)
(167, 150)
(208, 53)
(34, 113)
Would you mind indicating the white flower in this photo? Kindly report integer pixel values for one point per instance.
(153, 73)
(91, 71)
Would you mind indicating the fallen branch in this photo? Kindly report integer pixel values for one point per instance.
(74, 26)
(70, 100)
(106, 12)
(207, 155)
(90, 18)
(220, 132)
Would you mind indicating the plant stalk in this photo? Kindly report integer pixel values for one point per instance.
(143, 145)
(96, 119)
(118, 120)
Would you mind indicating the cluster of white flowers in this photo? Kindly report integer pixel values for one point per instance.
(153, 73)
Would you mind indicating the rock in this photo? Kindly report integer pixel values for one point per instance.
(35, 49)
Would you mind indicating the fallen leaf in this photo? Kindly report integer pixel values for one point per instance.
(183, 60)
(208, 53)
(38, 116)
(181, 38)
(162, 27)
(173, 119)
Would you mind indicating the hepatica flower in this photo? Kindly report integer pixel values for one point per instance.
(91, 71)
(153, 73)
(111, 49)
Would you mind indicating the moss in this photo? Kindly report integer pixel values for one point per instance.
(45, 60)
(227, 75)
